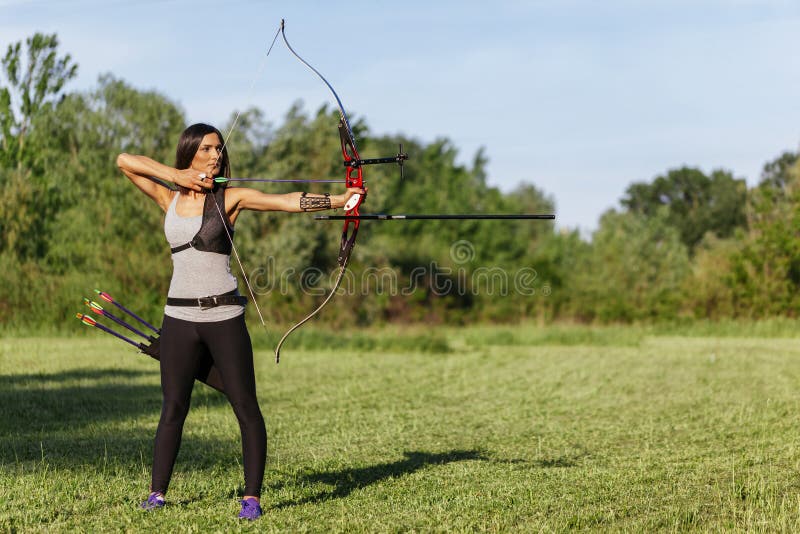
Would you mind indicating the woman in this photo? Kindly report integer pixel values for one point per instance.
(197, 335)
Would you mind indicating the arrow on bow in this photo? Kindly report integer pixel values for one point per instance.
(454, 216)
(223, 180)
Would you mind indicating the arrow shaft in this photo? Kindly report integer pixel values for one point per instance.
(106, 329)
(278, 180)
(123, 324)
(108, 298)
(383, 217)
(126, 310)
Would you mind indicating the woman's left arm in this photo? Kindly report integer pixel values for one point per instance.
(244, 198)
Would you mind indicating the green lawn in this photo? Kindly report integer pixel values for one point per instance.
(489, 429)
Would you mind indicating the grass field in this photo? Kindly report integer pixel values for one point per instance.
(483, 429)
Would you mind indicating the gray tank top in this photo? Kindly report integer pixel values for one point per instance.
(196, 274)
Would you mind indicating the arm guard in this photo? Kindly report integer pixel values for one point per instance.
(315, 203)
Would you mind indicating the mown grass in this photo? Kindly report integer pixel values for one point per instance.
(500, 429)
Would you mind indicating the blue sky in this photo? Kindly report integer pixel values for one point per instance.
(579, 97)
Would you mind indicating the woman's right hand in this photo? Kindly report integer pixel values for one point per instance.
(191, 179)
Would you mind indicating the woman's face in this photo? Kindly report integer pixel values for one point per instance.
(208, 157)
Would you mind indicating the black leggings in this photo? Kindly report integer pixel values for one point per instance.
(185, 346)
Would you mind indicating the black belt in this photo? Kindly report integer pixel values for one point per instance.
(226, 299)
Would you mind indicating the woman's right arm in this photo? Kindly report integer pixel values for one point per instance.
(141, 170)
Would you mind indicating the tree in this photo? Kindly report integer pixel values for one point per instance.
(695, 203)
(765, 272)
(33, 83)
(558, 260)
(777, 173)
(710, 289)
(634, 270)
(30, 86)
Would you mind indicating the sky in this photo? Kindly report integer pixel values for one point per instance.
(579, 97)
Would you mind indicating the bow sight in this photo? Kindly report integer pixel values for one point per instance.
(399, 159)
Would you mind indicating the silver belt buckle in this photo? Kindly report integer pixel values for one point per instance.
(206, 303)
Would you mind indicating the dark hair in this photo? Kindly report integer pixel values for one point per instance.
(189, 143)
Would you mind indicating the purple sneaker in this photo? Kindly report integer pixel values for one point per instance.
(251, 509)
(154, 501)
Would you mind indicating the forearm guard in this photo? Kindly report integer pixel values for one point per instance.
(315, 203)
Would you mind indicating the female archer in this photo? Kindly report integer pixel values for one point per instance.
(204, 317)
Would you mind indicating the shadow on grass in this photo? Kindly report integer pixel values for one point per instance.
(345, 481)
(76, 416)
(31, 379)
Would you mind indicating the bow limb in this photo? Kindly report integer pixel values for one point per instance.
(342, 112)
(342, 270)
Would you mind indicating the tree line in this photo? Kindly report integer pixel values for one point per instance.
(684, 245)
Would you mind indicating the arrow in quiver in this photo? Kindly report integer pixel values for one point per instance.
(207, 373)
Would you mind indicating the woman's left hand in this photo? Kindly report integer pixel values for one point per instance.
(354, 191)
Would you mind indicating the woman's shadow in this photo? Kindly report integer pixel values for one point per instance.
(345, 481)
